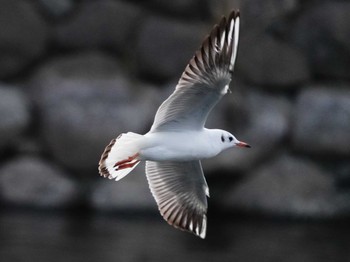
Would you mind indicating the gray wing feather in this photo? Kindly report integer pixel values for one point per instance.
(180, 191)
(204, 81)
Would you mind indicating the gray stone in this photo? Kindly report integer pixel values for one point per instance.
(263, 13)
(321, 124)
(322, 33)
(30, 181)
(130, 193)
(267, 118)
(83, 107)
(57, 8)
(261, 120)
(23, 36)
(89, 65)
(222, 7)
(164, 47)
(29, 144)
(271, 62)
(256, 13)
(14, 114)
(181, 7)
(288, 186)
(100, 24)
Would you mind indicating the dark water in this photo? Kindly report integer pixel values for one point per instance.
(58, 237)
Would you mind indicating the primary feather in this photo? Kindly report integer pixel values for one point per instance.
(204, 81)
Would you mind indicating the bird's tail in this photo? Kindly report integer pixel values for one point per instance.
(120, 157)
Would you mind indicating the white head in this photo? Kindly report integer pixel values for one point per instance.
(227, 140)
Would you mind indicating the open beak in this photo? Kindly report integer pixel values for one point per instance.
(242, 144)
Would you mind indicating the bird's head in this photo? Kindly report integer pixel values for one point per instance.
(228, 140)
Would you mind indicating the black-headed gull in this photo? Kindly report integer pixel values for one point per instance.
(178, 139)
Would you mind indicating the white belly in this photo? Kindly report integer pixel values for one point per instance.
(174, 146)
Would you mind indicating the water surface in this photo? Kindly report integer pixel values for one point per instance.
(39, 236)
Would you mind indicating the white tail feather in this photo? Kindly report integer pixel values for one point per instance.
(124, 148)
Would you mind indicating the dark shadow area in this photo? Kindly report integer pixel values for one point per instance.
(57, 236)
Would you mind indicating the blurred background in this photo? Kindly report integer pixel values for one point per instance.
(76, 73)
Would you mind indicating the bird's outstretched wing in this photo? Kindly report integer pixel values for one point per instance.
(204, 81)
(180, 191)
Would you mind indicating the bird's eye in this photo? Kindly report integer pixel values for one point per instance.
(222, 138)
(230, 138)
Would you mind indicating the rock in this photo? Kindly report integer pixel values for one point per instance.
(267, 118)
(342, 171)
(263, 13)
(256, 13)
(321, 124)
(30, 181)
(14, 114)
(83, 105)
(57, 8)
(29, 144)
(322, 33)
(89, 65)
(131, 193)
(108, 24)
(23, 36)
(261, 120)
(164, 47)
(271, 63)
(181, 7)
(222, 7)
(288, 186)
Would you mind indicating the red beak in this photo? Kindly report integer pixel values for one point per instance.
(242, 144)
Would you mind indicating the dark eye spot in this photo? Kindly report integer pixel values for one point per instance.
(222, 138)
(230, 138)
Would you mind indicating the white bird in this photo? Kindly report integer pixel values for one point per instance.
(178, 140)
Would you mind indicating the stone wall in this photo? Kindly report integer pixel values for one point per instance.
(76, 73)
